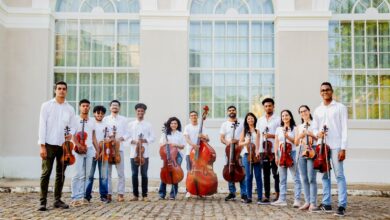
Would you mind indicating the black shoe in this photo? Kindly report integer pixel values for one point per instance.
(247, 201)
(244, 198)
(340, 211)
(161, 198)
(325, 208)
(230, 197)
(60, 204)
(104, 200)
(42, 208)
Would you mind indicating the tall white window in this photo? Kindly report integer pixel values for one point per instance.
(97, 51)
(359, 56)
(231, 55)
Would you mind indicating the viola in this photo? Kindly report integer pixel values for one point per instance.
(139, 150)
(285, 153)
(171, 172)
(233, 170)
(322, 162)
(81, 137)
(67, 147)
(201, 179)
(251, 148)
(104, 147)
(268, 154)
(308, 152)
(114, 156)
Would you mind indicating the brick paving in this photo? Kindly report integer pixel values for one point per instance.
(24, 205)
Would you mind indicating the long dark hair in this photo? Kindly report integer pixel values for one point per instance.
(167, 125)
(246, 125)
(292, 121)
(299, 112)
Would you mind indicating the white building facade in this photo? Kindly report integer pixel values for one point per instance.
(179, 55)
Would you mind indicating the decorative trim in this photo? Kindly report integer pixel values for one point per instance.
(302, 21)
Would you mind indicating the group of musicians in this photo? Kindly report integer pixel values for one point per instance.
(326, 127)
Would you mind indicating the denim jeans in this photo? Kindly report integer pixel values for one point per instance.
(232, 187)
(120, 169)
(338, 169)
(283, 179)
(103, 179)
(144, 177)
(82, 168)
(249, 177)
(188, 162)
(309, 179)
(175, 187)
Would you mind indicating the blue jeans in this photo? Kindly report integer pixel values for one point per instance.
(82, 168)
(175, 187)
(144, 177)
(232, 187)
(338, 169)
(249, 178)
(309, 179)
(283, 180)
(103, 179)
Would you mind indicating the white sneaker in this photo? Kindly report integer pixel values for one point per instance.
(296, 204)
(188, 195)
(279, 203)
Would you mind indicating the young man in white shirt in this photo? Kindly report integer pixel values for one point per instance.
(334, 116)
(227, 137)
(85, 149)
(55, 115)
(140, 133)
(120, 122)
(270, 121)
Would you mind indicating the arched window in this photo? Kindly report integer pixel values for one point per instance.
(97, 51)
(359, 56)
(231, 55)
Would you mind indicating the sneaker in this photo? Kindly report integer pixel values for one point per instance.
(266, 201)
(171, 198)
(314, 209)
(325, 208)
(145, 199)
(42, 208)
(263, 202)
(244, 198)
(247, 201)
(60, 204)
(120, 198)
(279, 203)
(188, 195)
(161, 198)
(230, 197)
(340, 211)
(104, 200)
(134, 199)
(296, 204)
(304, 207)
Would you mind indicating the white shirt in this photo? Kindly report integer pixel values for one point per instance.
(335, 117)
(134, 129)
(120, 122)
(89, 127)
(227, 130)
(174, 138)
(99, 130)
(53, 119)
(192, 131)
(279, 133)
(272, 123)
(301, 129)
(253, 141)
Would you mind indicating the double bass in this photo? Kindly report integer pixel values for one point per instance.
(201, 179)
(139, 151)
(81, 137)
(233, 170)
(171, 172)
(67, 147)
(114, 156)
(285, 153)
(322, 162)
(268, 154)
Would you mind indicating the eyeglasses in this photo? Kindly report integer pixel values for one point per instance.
(326, 90)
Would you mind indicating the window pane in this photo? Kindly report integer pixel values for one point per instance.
(71, 78)
(194, 94)
(373, 111)
(361, 111)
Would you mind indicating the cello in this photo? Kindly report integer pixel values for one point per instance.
(285, 153)
(139, 150)
(268, 154)
(171, 172)
(67, 147)
(201, 179)
(81, 137)
(233, 170)
(322, 162)
(114, 157)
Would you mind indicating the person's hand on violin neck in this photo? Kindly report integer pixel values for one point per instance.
(195, 146)
(234, 141)
(341, 155)
(68, 137)
(43, 152)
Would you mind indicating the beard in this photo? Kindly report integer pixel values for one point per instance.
(232, 115)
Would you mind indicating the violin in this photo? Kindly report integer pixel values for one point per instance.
(139, 150)
(233, 170)
(308, 152)
(81, 137)
(67, 147)
(268, 154)
(322, 162)
(104, 147)
(285, 149)
(171, 172)
(114, 157)
(201, 179)
(251, 148)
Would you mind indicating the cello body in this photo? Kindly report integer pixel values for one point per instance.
(171, 172)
